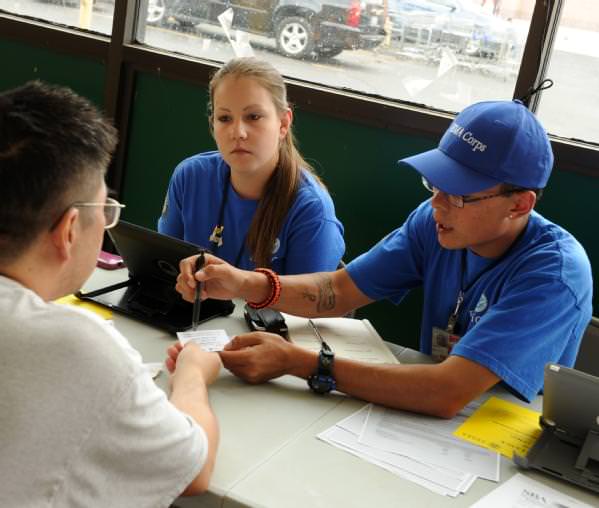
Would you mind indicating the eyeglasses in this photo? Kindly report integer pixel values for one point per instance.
(460, 201)
(112, 211)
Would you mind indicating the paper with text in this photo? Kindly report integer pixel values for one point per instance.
(502, 426)
(428, 439)
(208, 340)
(355, 339)
(522, 492)
(442, 481)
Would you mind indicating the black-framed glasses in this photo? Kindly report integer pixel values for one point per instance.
(460, 201)
(112, 210)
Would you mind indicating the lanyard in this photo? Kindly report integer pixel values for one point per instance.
(216, 238)
(453, 319)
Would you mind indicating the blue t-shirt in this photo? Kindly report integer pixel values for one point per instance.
(311, 238)
(528, 309)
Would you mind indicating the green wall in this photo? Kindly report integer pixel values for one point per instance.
(358, 164)
(22, 63)
(169, 123)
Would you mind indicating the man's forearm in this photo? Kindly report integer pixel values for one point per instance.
(310, 295)
(439, 390)
(190, 396)
(305, 295)
(415, 388)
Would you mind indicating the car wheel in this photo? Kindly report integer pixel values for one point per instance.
(156, 10)
(295, 37)
(328, 52)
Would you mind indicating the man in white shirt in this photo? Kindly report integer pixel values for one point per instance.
(81, 421)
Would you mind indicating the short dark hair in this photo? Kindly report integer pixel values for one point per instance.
(508, 187)
(55, 147)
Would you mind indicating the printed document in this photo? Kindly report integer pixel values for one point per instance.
(440, 480)
(502, 426)
(429, 440)
(522, 492)
(355, 339)
(208, 340)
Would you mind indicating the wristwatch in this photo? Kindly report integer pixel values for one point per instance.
(322, 381)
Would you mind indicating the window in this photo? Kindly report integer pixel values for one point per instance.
(444, 54)
(570, 108)
(85, 14)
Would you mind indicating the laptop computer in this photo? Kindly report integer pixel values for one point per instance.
(148, 294)
(568, 447)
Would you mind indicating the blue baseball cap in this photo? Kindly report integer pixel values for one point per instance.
(488, 143)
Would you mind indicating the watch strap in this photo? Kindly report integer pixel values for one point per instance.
(323, 381)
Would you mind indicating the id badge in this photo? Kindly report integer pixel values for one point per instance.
(442, 343)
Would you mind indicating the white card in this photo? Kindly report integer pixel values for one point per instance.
(208, 340)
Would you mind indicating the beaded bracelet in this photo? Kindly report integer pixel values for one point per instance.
(275, 289)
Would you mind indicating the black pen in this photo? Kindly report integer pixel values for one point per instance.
(197, 302)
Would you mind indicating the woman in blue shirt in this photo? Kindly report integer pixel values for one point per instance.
(255, 202)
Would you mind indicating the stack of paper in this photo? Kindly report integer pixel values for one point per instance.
(418, 448)
(355, 339)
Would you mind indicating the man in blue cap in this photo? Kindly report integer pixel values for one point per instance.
(506, 291)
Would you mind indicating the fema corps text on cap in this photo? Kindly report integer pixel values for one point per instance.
(488, 143)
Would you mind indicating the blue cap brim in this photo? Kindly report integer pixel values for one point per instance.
(447, 175)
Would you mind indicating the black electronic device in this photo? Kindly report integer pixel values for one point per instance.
(568, 447)
(266, 320)
(149, 294)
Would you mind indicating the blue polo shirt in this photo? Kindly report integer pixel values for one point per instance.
(310, 240)
(530, 308)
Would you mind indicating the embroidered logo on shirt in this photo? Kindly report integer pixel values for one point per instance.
(480, 308)
(482, 304)
(276, 246)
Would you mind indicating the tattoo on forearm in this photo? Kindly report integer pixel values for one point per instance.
(309, 296)
(326, 295)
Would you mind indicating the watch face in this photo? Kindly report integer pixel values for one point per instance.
(326, 359)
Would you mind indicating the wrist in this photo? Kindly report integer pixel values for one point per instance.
(266, 288)
(302, 362)
(188, 377)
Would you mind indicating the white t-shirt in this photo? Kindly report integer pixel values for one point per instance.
(81, 421)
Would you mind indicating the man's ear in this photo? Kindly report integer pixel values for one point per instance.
(523, 203)
(64, 234)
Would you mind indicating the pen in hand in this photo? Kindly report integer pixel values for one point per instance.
(197, 302)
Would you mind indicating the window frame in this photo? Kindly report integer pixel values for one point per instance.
(124, 58)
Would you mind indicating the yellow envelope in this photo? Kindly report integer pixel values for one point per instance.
(501, 426)
(103, 312)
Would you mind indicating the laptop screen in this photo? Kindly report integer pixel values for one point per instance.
(147, 253)
(571, 401)
(149, 294)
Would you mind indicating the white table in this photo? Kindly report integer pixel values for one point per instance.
(269, 455)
